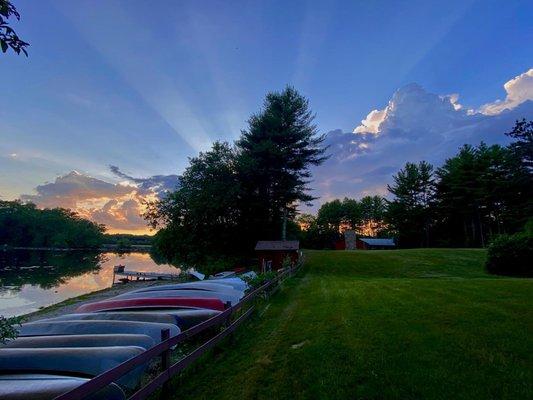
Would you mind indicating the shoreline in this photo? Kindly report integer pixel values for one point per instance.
(69, 306)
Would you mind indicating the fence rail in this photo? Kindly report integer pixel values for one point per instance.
(164, 348)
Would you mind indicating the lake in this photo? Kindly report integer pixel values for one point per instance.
(31, 279)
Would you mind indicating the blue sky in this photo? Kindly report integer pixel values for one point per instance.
(144, 85)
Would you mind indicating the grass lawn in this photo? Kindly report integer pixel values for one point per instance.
(403, 324)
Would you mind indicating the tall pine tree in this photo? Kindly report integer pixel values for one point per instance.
(275, 154)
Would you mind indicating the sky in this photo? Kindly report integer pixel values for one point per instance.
(115, 96)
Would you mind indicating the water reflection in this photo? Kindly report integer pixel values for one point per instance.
(32, 279)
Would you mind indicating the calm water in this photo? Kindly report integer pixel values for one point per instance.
(30, 279)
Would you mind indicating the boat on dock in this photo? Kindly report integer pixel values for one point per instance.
(120, 271)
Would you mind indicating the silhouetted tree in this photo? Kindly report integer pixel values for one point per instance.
(274, 156)
(8, 37)
(523, 146)
(410, 212)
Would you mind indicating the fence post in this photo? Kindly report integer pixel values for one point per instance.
(165, 363)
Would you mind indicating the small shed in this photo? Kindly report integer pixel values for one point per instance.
(272, 253)
(375, 243)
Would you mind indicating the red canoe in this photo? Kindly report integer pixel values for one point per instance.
(170, 302)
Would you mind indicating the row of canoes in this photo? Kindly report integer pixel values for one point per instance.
(55, 355)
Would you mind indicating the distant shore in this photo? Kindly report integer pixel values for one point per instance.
(106, 247)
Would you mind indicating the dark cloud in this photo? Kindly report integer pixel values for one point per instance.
(160, 184)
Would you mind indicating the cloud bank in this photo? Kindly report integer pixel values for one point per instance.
(117, 205)
(415, 125)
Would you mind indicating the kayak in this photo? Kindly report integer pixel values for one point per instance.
(45, 328)
(104, 340)
(200, 294)
(46, 387)
(118, 316)
(89, 361)
(204, 286)
(172, 302)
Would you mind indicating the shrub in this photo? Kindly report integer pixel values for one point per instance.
(8, 329)
(511, 255)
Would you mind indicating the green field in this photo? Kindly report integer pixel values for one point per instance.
(404, 324)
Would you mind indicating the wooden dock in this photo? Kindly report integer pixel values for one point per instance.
(119, 270)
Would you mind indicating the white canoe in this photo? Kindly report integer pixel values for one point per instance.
(236, 283)
(204, 286)
(88, 361)
(193, 294)
(117, 316)
(186, 318)
(151, 329)
(47, 387)
(57, 341)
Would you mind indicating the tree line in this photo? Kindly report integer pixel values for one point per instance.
(481, 192)
(25, 225)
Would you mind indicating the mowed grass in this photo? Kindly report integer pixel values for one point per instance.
(404, 324)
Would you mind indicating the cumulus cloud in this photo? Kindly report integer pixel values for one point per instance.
(117, 205)
(518, 89)
(372, 122)
(415, 125)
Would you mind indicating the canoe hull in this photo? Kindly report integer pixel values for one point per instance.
(88, 361)
(202, 294)
(95, 340)
(177, 302)
(96, 327)
(117, 316)
(46, 387)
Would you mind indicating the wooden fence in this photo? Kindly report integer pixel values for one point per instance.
(164, 348)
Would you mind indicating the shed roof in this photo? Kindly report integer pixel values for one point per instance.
(278, 245)
(378, 242)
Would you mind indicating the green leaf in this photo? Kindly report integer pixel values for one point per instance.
(3, 45)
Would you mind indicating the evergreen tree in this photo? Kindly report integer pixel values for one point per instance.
(275, 154)
(410, 212)
(523, 146)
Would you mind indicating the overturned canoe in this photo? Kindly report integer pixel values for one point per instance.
(189, 318)
(104, 340)
(235, 283)
(46, 387)
(151, 329)
(118, 316)
(185, 317)
(173, 302)
(87, 361)
(200, 294)
(204, 286)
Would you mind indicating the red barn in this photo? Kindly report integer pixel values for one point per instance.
(272, 253)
